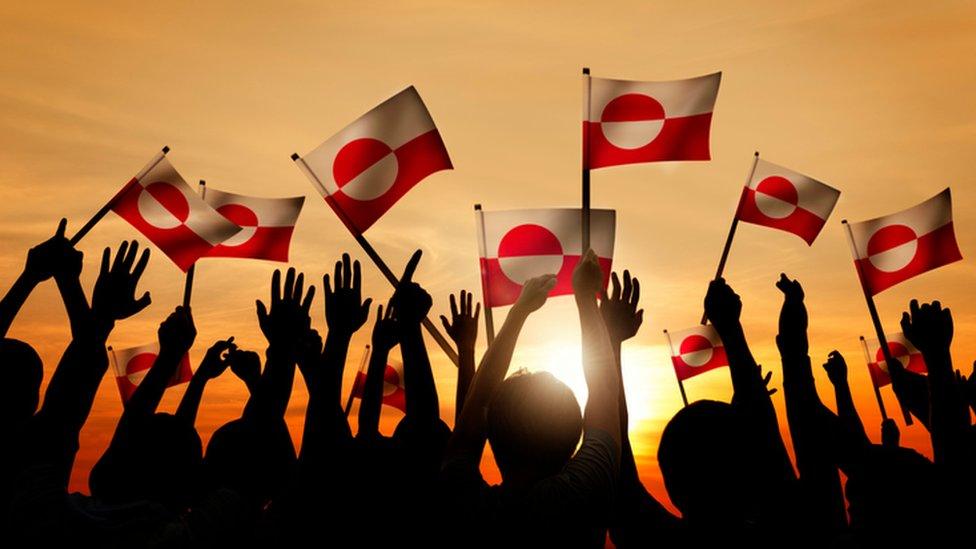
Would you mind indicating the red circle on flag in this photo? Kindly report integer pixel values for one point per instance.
(364, 168)
(776, 197)
(632, 120)
(529, 250)
(163, 206)
(140, 362)
(696, 350)
(242, 216)
(898, 352)
(892, 247)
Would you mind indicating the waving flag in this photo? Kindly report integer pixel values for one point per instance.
(394, 393)
(365, 168)
(696, 350)
(786, 200)
(132, 364)
(517, 245)
(901, 350)
(164, 208)
(266, 224)
(628, 122)
(891, 249)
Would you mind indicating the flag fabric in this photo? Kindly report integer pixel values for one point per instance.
(629, 122)
(891, 249)
(786, 200)
(696, 350)
(394, 393)
(365, 168)
(521, 244)
(171, 215)
(132, 364)
(901, 350)
(266, 224)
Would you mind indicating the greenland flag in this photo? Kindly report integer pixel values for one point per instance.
(394, 393)
(901, 350)
(521, 244)
(365, 168)
(132, 364)
(266, 224)
(696, 350)
(628, 122)
(891, 249)
(786, 200)
(164, 208)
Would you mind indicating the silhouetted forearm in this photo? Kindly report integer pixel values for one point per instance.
(371, 404)
(599, 369)
(270, 401)
(75, 304)
(847, 414)
(418, 379)
(190, 403)
(465, 375)
(912, 391)
(949, 414)
(149, 393)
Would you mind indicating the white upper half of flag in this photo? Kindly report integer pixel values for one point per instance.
(707, 331)
(922, 219)
(562, 223)
(813, 196)
(173, 203)
(270, 212)
(678, 97)
(121, 357)
(395, 122)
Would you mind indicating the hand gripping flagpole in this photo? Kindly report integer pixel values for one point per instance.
(876, 320)
(877, 392)
(681, 384)
(377, 260)
(585, 221)
(482, 247)
(188, 285)
(108, 206)
(361, 370)
(735, 223)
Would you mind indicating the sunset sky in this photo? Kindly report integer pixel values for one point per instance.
(873, 98)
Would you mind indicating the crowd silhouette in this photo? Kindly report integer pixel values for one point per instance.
(569, 476)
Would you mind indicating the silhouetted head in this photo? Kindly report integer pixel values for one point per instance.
(710, 474)
(253, 459)
(21, 387)
(155, 460)
(534, 425)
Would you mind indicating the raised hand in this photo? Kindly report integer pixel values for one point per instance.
(217, 359)
(463, 326)
(535, 291)
(114, 296)
(928, 327)
(177, 332)
(587, 276)
(310, 358)
(766, 379)
(836, 368)
(722, 305)
(385, 334)
(345, 310)
(246, 365)
(287, 320)
(890, 435)
(619, 309)
(410, 300)
(55, 257)
(792, 337)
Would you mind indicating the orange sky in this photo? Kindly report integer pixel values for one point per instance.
(873, 98)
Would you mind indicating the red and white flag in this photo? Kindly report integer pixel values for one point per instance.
(132, 364)
(394, 393)
(696, 350)
(365, 168)
(901, 350)
(172, 216)
(786, 200)
(629, 122)
(266, 224)
(517, 245)
(891, 249)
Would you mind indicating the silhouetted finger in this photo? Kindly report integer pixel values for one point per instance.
(130, 256)
(347, 271)
(615, 286)
(141, 265)
(307, 303)
(635, 295)
(411, 267)
(275, 287)
(62, 225)
(287, 290)
(120, 255)
(106, 255)
(454, 307)
(628, 286)
(299, 287)
(357, 279)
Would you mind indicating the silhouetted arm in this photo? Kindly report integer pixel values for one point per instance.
(384, 339)
(463, 329)
(176, 335)
(213, 364)
(849, 419)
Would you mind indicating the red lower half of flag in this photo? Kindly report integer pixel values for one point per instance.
(179, 243)
(684, 370)
(269, 243)
(500, 290)
(415, 160)
(800, 222)
(879, 377)
(128, 383)
(395, 398)
(932, 250)
(684, 138)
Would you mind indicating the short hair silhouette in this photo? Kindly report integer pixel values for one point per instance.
(250, 457)
(21, 387)
(158, 460)
(534, 424)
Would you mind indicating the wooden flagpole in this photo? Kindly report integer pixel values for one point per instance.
(377, 260)
(875, 319)
(585, 221)
(877, 391)
(681, 384)
(362, 370)
(483, 248)
(735, 224)
(188, 284)
(108, 206)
